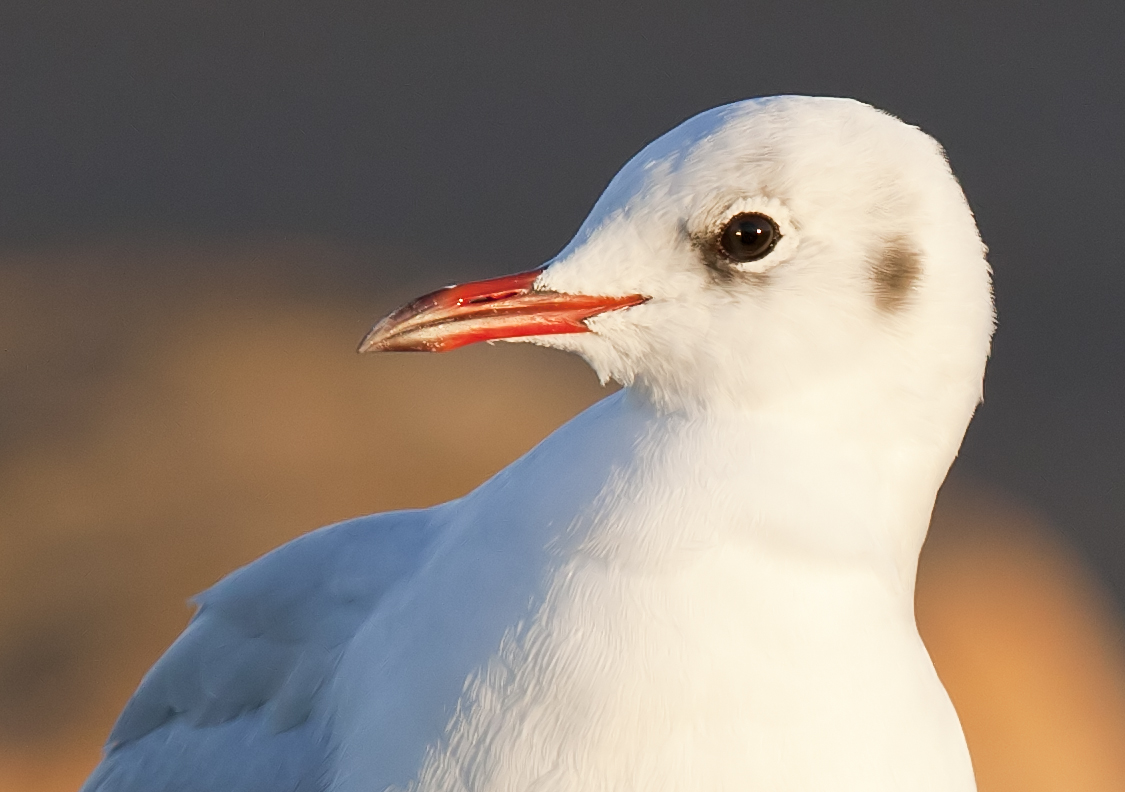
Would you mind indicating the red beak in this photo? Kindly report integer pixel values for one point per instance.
(504, 307)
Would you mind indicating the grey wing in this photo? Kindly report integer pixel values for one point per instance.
(232, 704)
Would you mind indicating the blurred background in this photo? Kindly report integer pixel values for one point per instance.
(204, 205)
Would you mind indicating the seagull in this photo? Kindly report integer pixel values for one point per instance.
(705, 581)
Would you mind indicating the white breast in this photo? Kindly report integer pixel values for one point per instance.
(671, 631)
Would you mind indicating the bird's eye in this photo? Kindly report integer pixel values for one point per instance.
(749, 237)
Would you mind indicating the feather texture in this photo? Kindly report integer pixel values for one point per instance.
(250, 666)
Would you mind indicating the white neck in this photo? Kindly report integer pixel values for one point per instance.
(731, 607)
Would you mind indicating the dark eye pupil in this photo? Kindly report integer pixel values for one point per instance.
(749, 237)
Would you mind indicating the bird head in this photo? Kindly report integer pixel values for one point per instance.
(769, 254)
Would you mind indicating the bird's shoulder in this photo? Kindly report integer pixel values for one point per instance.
(253, 659)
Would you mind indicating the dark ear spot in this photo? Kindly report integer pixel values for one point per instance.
(894, 271)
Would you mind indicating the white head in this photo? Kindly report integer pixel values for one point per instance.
(864, 293)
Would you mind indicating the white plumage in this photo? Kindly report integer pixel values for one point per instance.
(704, 582)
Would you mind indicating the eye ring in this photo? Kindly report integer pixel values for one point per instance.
(748, 236)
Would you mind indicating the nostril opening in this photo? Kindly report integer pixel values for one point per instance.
(487, 298)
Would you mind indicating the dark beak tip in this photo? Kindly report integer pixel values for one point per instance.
(366, 345)
(372, 342)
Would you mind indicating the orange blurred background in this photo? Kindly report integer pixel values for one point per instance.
(170, 412)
